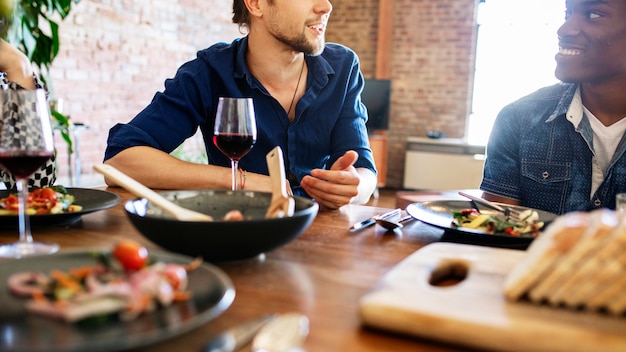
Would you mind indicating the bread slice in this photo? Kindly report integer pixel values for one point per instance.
(602, 222)
(545, 252)
(618, 305)
(593, 274)
(612, 287)
(605, 223)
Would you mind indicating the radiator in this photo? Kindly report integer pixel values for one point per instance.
(442, 164)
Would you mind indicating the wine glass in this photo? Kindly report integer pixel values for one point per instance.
(235, 130)
(26, 143)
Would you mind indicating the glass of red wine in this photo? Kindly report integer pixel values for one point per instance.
(235, 130)
(26, 143)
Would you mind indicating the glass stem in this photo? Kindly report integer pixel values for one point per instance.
(24, 224)
(234, 166)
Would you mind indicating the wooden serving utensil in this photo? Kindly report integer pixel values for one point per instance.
(136, 188)
(282, 204)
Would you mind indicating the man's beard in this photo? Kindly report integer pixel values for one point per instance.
(302, 44)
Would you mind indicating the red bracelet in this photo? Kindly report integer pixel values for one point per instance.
(242, 178)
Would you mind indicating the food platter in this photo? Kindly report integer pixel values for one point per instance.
(439, 214)
(90, 199)
(212, 293)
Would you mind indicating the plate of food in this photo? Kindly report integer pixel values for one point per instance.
(462, 222)
(56, 205)
(40, 315)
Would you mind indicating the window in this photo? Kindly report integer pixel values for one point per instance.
(515, 52)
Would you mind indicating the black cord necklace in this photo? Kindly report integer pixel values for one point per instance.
(297, 86)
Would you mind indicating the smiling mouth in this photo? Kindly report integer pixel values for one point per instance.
(319, 28)
(569, 52)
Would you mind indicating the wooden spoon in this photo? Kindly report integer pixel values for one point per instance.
(281, 205)
(136, 188)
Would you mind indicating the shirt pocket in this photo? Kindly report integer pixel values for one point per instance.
(545, 185)
(546, 173)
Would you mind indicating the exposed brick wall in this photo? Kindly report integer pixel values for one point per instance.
(116, 53)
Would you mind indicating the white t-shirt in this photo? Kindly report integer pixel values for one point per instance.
(605, 139)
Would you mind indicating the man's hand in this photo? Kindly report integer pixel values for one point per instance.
(335, 187)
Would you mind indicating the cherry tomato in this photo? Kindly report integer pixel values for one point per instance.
(130, 254)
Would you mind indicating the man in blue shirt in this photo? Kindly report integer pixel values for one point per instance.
(307, 101)
(562, 148)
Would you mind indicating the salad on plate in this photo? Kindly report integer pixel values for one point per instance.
(470, 218)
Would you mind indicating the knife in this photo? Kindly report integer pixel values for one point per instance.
(371, 221)
(235, 338)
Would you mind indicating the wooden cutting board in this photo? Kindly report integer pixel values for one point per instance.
(474, 312)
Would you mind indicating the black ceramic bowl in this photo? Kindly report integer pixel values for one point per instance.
(220, 240)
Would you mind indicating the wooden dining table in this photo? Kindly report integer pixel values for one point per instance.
(321, 274)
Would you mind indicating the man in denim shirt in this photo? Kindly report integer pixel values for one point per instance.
(561, 148)
(307, 101)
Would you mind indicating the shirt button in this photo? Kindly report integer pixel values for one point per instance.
(597, 203)
(545, 175)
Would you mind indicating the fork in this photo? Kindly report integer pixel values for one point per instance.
(510, 214)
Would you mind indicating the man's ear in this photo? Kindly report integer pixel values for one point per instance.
(255, 7)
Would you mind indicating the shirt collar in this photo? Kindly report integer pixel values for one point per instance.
(564, 103)
(319, 68)
(241, 68)
(575, 112)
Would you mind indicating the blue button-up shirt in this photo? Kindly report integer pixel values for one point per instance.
(535, 155)
(330, 118)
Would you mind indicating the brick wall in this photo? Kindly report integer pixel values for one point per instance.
(116, 53)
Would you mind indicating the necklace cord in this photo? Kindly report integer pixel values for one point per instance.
(297, 86)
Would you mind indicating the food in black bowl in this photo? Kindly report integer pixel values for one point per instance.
(220, 240)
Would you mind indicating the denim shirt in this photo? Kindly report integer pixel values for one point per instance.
(330, 117)
(535, 155)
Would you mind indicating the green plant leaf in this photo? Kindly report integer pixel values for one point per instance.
(63, 125)
(28, 41)
(68, 139)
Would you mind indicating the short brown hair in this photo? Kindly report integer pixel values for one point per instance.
(241, 16)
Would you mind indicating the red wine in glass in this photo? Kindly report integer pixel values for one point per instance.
(234, 132)
(235, 145)
(26, 142)
(22, 164)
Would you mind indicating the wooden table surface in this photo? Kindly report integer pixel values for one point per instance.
(322, 274)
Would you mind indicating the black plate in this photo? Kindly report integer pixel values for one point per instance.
(439, 214)
(90, 199)
(212, 293)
